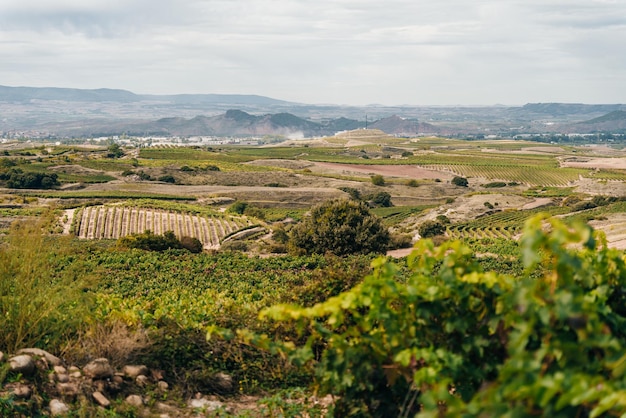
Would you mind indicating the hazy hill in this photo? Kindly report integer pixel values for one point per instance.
(569, 109)
(49, 112)
(232, 123)
(611, 122)
(25, 94)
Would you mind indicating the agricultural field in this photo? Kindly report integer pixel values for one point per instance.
(114, 222)
(195, 316)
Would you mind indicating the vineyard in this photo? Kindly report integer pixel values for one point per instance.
(548, 176)
(113, 222)
(504, 224)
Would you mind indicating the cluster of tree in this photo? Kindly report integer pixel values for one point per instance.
(16, 178)
(152, 242)
(578, 204)
(244, 208)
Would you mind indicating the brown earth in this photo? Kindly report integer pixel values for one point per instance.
(614, 227)
(592, 162)
(401, 171)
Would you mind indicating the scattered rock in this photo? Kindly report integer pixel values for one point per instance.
(51, 359)
(57, 407)
(69, 389)
(204, 405)
(22, 364)
(162, 385)
(100, 385)
(142, 380)
(101, 399)
(1, 356)
(163, 407)
(75, 372)
(63, 378)
(134, 400)
(98, 369)
(222, 382)
(133, 371)
(60, 370)
(19, 390)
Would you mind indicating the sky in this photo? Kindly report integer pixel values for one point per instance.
(354, 52)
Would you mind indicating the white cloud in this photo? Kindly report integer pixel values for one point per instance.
(342, 51)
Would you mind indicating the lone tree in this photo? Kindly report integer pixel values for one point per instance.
(341, 227)
(431, 228)
(460, 181)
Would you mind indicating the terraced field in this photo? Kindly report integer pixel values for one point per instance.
(113, 222)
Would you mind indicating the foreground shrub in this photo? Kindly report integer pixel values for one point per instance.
(340, 227)
(453, 340)
(43, 301)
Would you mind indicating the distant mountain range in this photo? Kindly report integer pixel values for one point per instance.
(236, 123)
(26, 94)
(34, 111)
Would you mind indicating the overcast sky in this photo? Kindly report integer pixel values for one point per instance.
(324, 51)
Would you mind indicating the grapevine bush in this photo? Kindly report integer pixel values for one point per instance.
(453, 340)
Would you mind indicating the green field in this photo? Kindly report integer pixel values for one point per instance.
(475, 321)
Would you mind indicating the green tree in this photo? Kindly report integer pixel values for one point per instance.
(382, 199)
(150, 241)
(114, 151)
(459, 181)
(340, 227)
(431, 228)
(238, 207)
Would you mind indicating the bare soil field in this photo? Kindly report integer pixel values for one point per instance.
(289, 164)
(262, 196)
(595, 187)
(401, 171)
(592, 162)
(527, 150)
(614, 228)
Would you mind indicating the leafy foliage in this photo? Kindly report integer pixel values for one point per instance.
(381, 199)
(153, 242)
(459, 181)
(42, 300)
(431, 228)
(453, 340)
(378, 180)
(114, 151)
(16, 178)
(340, 227)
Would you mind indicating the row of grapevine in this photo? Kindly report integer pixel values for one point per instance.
(504, 224)
(546, 176)
(113, 222)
